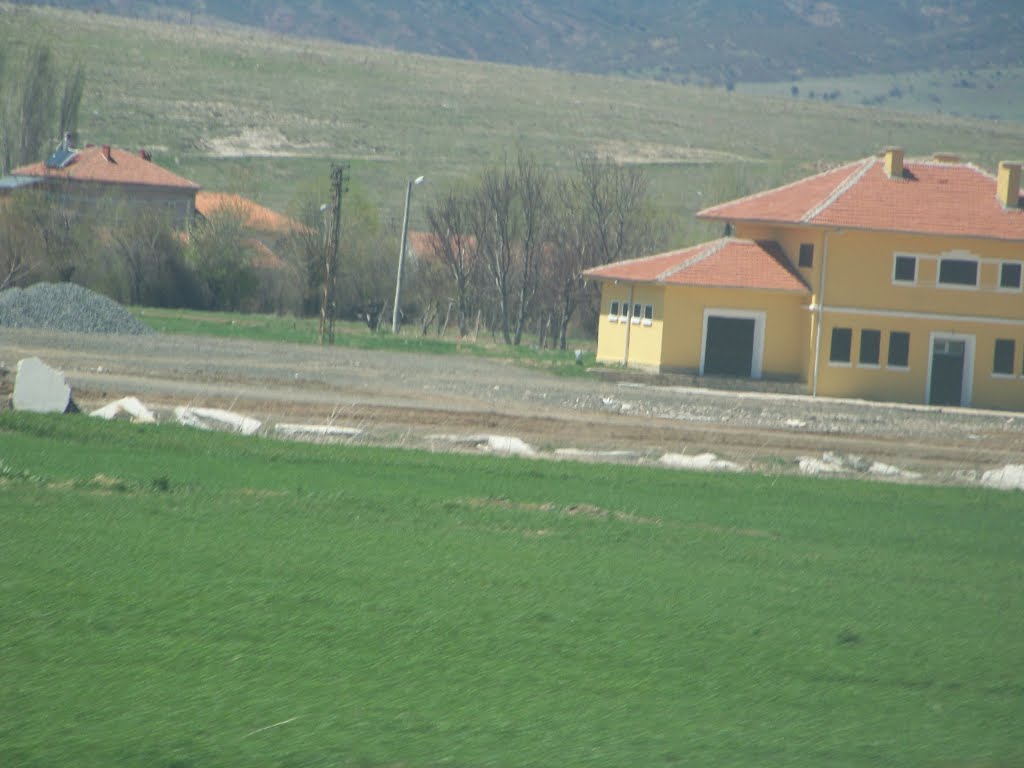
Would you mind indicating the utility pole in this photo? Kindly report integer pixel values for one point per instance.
(327, 299)
(396, 314)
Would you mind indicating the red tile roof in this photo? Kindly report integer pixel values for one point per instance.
(941, 198)
(725, 263)
(123, 167)
(256, 217)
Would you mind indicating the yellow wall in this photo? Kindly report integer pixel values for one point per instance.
(786, 325)
(644, 341)
(859, 276)
(860, 268)
(673, 340)
(910, 385)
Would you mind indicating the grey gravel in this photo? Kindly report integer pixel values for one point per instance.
(404, 398)
(66, 307)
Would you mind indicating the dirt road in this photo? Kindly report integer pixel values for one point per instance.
(408, 399)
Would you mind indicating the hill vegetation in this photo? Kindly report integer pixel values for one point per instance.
(722, 42)
(263, 115)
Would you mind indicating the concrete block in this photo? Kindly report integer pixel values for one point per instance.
(40, 388)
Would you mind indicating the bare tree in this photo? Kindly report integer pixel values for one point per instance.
(493, 220)
(531, 183)
(455, 248)
(145, 244)
(221, 255)
(21, 243)
(602, 215)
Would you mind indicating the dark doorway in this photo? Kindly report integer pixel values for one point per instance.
(729, 346)
(947, 383)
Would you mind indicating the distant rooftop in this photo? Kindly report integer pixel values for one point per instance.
(105, 165)
(938, 196)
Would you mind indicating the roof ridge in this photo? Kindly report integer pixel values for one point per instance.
(839, 191)
(639, 258)
(755, 195)
(707, 250)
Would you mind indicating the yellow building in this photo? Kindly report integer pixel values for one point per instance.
(880, 279)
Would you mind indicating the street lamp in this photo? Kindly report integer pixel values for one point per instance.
(401, 253)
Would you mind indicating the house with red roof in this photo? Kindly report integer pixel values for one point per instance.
(83, 178)
(265, 230)
(883, 279)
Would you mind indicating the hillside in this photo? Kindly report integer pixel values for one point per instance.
(703, 42)
(263, 115)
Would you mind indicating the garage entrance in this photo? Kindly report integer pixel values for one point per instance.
(733, 343)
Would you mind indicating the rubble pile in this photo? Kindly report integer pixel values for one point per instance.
(66, 307)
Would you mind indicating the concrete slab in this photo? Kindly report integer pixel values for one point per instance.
(705, 462)
(127, 407)
(1008, 478)
(316, 430)
(40, 388)
(508, 445)
(216, 419)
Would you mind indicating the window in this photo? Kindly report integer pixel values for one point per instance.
(648, 314)
(841, 342)
(1002, 361)
(636, 313)
(1009, 275)
(899, 349)
(624, 314)
(613, 311)
(870, 347)
(958, 272)
(806, 254)
(905, 269)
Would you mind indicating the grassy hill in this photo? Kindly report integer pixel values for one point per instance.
(724, 41)
(993, 93)
(263, 115)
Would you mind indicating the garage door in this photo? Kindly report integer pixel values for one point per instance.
(729, 346)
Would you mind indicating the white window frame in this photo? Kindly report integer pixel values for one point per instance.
(999, 277)
(958, 256)
(648, 317)
(917, 267)
(967, 385)
(613, 311)
(757, 356)
(624, 312)
(635, 316)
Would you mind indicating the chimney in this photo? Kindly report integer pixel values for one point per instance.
(1008, 184)
(70, 139)
(105, 149)
(894, 162)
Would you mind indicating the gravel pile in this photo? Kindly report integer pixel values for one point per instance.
(66, 307)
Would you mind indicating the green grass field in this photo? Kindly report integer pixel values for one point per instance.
(305, 330)
(264, 115)
(176, 598)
